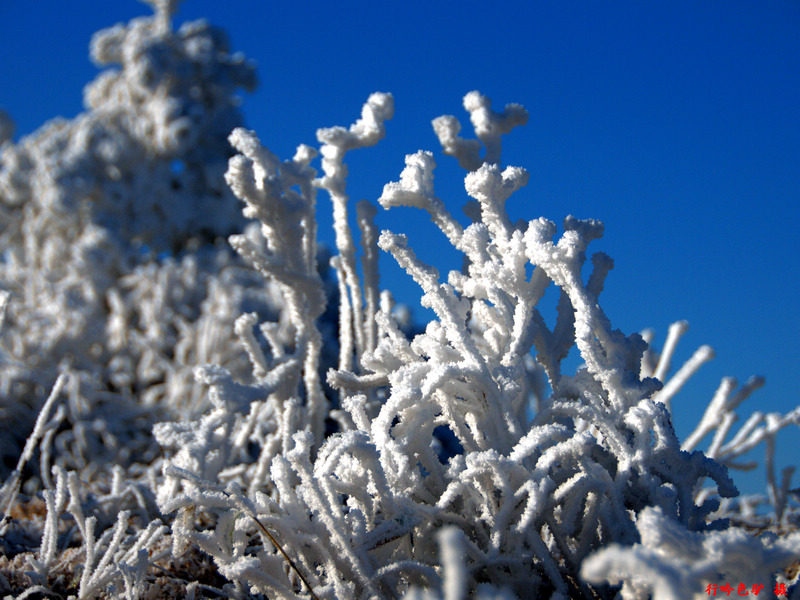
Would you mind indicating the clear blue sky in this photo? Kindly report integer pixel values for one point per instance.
(676, 123)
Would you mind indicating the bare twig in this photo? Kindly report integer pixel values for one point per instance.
(275, 543)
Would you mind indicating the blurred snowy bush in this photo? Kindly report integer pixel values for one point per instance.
(111, 240)
(304, 443)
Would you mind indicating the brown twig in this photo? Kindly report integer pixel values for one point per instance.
(275, 543)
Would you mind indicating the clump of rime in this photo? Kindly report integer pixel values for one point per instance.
(309, 450)
(379, 507)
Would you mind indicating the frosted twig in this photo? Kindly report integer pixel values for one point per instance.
(488, 125)
(10, 488)
(337, 141)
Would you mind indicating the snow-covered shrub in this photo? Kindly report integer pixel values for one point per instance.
(525, 497)
(462, 461)
(93, 207)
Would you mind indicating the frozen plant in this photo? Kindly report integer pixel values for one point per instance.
(726, 447)
(110, 228)
(313, 458)
(526, 497)
(146, 158)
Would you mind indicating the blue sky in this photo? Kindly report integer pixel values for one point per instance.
(675, 123)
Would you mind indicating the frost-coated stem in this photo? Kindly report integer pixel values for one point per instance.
(10, 488)
(369, 260)
(337, 141)
(676, 330)
(701, 356)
